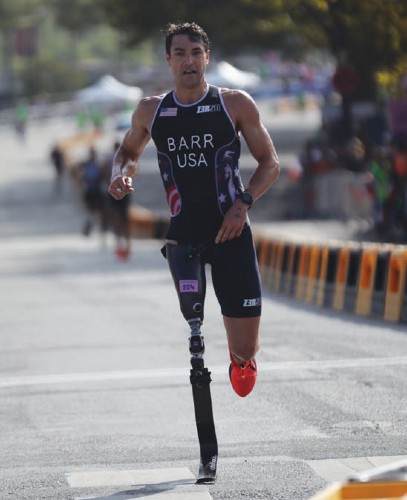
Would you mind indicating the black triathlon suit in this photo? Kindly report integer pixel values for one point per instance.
(198, 152)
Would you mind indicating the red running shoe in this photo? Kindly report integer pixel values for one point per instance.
(122, 253)
(243, 376)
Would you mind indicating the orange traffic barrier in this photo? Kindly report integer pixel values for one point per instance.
(403, 318)
(396, 290)
(257, 240)
(381, 483)
(347, 278)
(313, 272)
(340, 278)
(264, 258)
(366, 281)
(302, 272)
(294, 265)
(280, 258)
(352, 279)
(289, 269)
(385, 490)
(380, 283)
(326, 277)
(269, 270)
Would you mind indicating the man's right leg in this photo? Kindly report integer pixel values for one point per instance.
(242, 334)
(236, 281)
(188, 273)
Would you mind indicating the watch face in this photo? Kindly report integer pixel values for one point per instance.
(246, 198)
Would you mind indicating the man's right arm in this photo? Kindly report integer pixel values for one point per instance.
(125, 162)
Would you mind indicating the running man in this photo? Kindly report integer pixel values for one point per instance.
(196, 129)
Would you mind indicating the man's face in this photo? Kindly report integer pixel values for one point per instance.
(187, 60)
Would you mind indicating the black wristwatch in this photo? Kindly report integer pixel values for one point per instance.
(247, 198)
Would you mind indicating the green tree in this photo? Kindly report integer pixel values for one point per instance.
(231, 24)
(76, 16)
(365, 37)
(369, 35)
(16, 14)
(47, 75)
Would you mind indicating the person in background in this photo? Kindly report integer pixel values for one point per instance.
(119, 213)
(21, 115)
(57, 160)
(93, 194)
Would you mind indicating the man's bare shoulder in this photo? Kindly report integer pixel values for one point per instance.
(236, 96)
(239, 104)
(146, 108)
(150, 102)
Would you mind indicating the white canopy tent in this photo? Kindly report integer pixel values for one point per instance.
(226, 75)
(109, 90)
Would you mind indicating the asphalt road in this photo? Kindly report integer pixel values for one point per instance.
(95, 401)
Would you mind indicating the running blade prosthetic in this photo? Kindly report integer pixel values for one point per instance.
(200, 380)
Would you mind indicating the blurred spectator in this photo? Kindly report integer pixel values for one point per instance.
(82, 119)
(380, 169)
(377, 127)
(119, 213)
(93, 194)
(400, 172)
(355, 154)
(58, 161)
(96, 118)
(21, 115)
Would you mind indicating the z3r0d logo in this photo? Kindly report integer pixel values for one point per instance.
(252, 302)
(208, 109)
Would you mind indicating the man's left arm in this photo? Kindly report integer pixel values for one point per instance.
(245, 114)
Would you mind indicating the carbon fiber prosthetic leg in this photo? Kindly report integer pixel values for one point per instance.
(189, 278)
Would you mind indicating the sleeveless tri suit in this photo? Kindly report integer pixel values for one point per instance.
(198, 151)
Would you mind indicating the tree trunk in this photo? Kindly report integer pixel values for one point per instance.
(367, 90)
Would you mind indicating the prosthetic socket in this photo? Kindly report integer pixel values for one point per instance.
(188, 273)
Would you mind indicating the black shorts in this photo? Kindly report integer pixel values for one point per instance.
(235, 276)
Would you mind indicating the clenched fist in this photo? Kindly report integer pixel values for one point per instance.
(120, 186)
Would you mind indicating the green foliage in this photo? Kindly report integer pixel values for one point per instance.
(46, 75)
(19, 13)
(370, 35)
(76, 16)
(231, 25)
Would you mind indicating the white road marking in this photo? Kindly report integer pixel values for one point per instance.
(142, 477)
(166, 484)
(314, 365)
(168, 495)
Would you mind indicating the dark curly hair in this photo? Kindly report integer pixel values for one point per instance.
(194, 32)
